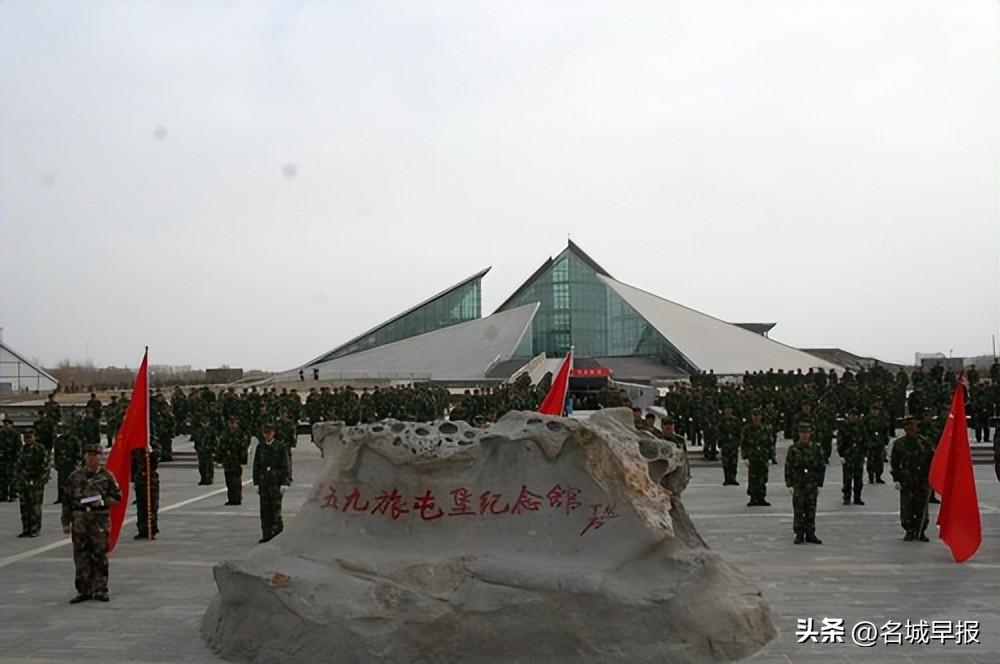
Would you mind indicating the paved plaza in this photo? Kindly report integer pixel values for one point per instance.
(862, 572)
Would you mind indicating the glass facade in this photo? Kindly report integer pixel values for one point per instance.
(577, 309)
(458, 305)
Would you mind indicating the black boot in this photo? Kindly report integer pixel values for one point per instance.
(858, 501)
(923, 537)
(799, 538)
(812, 539)
(908, 537)
(847, 500)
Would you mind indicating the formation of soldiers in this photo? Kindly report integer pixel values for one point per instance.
(858, 412)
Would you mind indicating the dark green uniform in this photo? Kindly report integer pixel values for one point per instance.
(270, 472)
(729, 446)
(233, 446)
(147, 503)
(10, 448)
(205, 440)
(910, 463)
(755, 445)
(67, 454)
(852, 449)
(31, 474)
(89, 526)
(876, 438)
(805, 466)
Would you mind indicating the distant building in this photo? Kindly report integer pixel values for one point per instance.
(223, 375)
(617, 331)
(18, 374)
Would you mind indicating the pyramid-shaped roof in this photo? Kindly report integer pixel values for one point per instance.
(460, 352)
(712, 344)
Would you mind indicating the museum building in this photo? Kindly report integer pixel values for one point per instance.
(616, 330)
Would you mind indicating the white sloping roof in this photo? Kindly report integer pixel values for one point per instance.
(460, 352)
(710, 343)
(23, 374)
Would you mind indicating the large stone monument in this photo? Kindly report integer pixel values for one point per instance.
(538, 539)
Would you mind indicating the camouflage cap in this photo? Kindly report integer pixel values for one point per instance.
(91, 447)
(805, 426)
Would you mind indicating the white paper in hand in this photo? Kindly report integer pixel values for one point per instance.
(90, 499)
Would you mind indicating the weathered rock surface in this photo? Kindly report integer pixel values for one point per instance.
(539, 539)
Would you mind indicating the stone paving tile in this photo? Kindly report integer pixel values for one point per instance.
(863, 571)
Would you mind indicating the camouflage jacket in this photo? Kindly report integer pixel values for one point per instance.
(805, 466)
(851, 444)
(68, 452)
(755, 445)
(32, 467)
(232, 448)
(270, 464)
(84, 483)
(911, 460)
(729, 431)
(10, 448)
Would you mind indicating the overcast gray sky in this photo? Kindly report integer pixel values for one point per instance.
(252, 184)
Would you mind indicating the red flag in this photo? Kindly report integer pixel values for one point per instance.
(133, 434)
(952, 476)
(555, 401)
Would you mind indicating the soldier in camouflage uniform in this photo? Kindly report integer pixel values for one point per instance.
(876, 426)
(231, 452)
(10, 448)
(729, 445)
(94, 407)
(89, 523)
(270, 475)
(52, 409)
(205, 439)
(113, 415)
(851, 446)
(31, 475)
(45, 430)
(67, 454)
(805, 467)
(147, 508)
(910, 464)
(161, 426)
(755, 444)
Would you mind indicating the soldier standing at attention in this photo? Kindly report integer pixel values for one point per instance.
(67, 454)
(52, 409)
(270, 475)
(113, 414)
(232, 450)
(31, 474)
(851, 448)
(147, 508)
(910, 463)
(805, 467)
(10, 448)
(755, 444)
(876, 438)
(45, 430)
(729, 445)
(89, 492)
(94, 406)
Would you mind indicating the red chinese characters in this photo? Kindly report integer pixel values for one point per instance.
(393, 504)
(560, 497)
(462, 498)
(526, 500)
(425, 504)
(390, 504)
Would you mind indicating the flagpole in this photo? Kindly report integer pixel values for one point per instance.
(149, 473)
